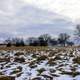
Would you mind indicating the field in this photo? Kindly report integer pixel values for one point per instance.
(40, 63)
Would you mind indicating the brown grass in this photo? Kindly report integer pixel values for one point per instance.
(33, 48)
(23, 48)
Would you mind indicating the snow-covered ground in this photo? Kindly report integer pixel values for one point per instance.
(41, 65)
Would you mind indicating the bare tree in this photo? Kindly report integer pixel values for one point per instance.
(15, 42)
(63, 38)
(33, 41)
(77, 33)
(43, 39)
(8, 42)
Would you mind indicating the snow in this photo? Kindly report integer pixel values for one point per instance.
(29, 73)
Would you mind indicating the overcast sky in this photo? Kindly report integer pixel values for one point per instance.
(34, 17)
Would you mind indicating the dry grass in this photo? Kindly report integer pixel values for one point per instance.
(46, 57)
(2, 77)
(24, 48)
(33, 48)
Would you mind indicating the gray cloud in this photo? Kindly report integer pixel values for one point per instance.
(20, 19)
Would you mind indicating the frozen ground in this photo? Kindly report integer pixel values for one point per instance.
(53, 64)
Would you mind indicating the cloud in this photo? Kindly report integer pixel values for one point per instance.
(18, 18)
(69, 8)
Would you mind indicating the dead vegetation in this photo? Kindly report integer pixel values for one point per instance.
(40, 63)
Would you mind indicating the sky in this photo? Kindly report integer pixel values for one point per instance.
(27, 18)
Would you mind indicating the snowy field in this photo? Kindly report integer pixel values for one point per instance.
(50, 64)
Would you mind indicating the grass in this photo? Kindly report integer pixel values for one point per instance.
(73, 74)
(33, 48)
(76, 60)
(54, 55)
(6, 77)
(41, 70)
(28, 48)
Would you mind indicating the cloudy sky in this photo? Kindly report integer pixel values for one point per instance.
(34, 17)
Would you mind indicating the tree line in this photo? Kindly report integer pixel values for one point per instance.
(63, 39)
